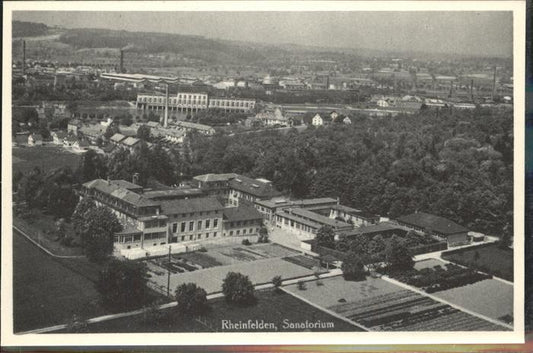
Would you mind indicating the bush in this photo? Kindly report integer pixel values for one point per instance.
(202, 249)
(302, 285)
(67, 241)
(246, 242)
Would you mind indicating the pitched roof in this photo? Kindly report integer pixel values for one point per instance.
(117, 137)
(130, 141)
(241, 213)
(253, 187)
(376, 228)
(354, 211)
(215, 177)
(200, 204)
(114, 190)
(300, 212)
(195, 126)
(431, 222)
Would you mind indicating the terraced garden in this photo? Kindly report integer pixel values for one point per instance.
(383, 306)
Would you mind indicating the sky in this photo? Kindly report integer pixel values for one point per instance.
(466, 33)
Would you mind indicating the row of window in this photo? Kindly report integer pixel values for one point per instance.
(293, 224)
(241, 223)
(192, 214)
(230, 103)
(184, 227)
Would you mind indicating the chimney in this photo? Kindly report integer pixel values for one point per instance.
(494, 83)
(23, 57)
(165, 121)
(121, 69)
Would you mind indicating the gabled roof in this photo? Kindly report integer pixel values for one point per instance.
(114, 190)
(200, 204)
(253, 187)
(215, 177)
(241, 213)
(130, 141)
(434, 223)
(117, 137)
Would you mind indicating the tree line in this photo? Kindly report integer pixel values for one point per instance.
(456, 164)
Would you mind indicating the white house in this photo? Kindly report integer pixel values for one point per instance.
(347, 121)
(35, 140)
(317, 120)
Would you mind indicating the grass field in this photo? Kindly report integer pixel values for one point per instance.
(492, 259)
(490, 297)
(47, 293)
(45, 157)
(382, 306)
(271, 307)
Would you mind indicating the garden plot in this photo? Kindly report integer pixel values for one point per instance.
(383, 306)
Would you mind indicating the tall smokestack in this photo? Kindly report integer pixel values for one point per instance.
(23, 57)
(165, 121)
(472, 90)
(494, 83)
(121, 61)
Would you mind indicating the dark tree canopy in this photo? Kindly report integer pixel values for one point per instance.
(122, 284)
(238, 289)
(97, 231)
(353, 268)
(325, 237)
(192, 300)
(397, 255)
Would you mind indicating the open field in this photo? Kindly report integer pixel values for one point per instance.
(383, 306)
(490, 297)
(271, 307)
(45, 292)
(45, 157)
(492, 259)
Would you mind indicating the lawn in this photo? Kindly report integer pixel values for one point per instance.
(490, 297)
(47, 293)
(382, 306)
(492, 259)
(45, 157)
(271, 307)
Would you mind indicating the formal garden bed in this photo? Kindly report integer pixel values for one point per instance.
(439, 278)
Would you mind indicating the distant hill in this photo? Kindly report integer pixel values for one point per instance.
(196, 47)
(28, 29)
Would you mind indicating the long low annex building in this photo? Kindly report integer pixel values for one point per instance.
(187, 102)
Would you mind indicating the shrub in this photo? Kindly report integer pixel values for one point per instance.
(302, 285)
(246, 242)
(238, 289)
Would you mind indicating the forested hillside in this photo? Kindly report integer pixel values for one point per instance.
(197, 47)
(456, 164)
(28, 29)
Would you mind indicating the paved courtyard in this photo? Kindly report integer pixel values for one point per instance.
(261, 262)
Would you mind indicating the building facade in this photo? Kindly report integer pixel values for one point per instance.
(187, 102)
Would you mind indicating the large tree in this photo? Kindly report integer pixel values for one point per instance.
(397, 255)
(192, 300)
(97, 233)
(122, 284)
(325, 237)
(353, 268)
(92, 166)
(238, 289)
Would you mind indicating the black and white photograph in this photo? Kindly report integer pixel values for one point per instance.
(207, 170)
